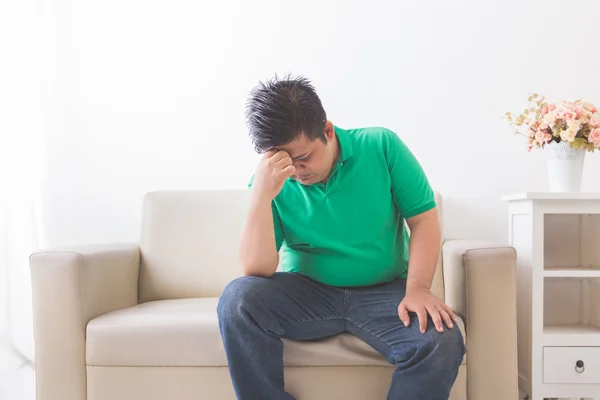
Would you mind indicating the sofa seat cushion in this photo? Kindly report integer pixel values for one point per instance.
(185, 332)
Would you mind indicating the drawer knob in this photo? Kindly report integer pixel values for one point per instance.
(579, 367)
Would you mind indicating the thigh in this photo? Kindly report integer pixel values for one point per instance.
(373, 317)
(290, 305)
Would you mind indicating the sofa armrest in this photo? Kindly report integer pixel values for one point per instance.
(69, 288)
(480, 285)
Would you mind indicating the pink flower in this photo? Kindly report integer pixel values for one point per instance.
(595, 120)
(551, 107)
(565, 113)
(590, 107)
(581, 112)
(543, 126)
(595, 137)
(539, 137)
(542, 137)
(544, 110)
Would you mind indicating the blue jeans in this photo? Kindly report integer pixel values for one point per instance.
(255, 313)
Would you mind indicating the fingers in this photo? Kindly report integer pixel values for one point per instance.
(425, 307)
(289, 170)
(278, 155)
(450, 312)
(422, 314)
(403, 314)
(269, 154)
(285, 164)
(283, 161)
(436, 318)
(445, 316)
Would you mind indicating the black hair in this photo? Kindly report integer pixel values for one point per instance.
(279, 111)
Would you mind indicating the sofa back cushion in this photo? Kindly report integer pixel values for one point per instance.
(189, 243)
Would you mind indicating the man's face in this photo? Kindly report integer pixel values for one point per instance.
(313, 159)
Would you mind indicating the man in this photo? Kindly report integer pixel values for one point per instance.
(337, 203)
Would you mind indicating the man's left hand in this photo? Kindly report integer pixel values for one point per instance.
(423, 302)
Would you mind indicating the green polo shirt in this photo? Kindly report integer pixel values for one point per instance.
(351, 231)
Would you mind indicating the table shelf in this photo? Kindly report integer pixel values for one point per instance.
(571, 335)
(557, 240)
(572, 272)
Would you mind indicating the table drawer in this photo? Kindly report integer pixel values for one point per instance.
(572, 364)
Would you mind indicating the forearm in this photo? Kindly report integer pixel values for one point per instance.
(257, 248)
(424, 250)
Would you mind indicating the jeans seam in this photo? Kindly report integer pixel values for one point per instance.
(312, 320)
(345, 309)
(371, 334)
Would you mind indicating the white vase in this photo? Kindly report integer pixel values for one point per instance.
(564, 166)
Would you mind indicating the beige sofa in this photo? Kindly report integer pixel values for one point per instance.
(139, 322)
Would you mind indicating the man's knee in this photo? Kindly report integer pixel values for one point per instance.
(446, 347)
(239, 294)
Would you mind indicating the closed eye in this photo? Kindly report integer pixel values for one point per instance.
(302, 157)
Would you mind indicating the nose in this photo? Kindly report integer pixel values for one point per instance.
(299, 166)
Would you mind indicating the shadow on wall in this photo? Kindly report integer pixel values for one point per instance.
(475, 218)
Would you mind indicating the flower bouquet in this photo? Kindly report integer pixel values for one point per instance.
(566, 131)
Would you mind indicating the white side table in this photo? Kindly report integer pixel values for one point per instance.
(557, 238)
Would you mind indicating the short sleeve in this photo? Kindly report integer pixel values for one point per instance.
(277, 225)
(411, 190)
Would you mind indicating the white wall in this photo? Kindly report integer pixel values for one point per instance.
(152, 95)
(28, 60)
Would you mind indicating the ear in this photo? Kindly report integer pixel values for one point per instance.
(329, 131)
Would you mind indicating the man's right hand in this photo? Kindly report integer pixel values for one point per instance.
(274, 167)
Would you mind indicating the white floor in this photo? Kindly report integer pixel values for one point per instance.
(17, 377)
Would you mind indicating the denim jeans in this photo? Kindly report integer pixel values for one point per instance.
(255, 313)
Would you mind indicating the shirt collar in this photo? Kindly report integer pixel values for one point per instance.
(345, 143)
